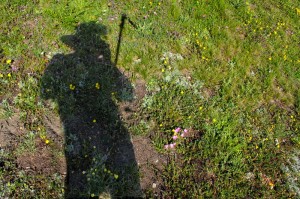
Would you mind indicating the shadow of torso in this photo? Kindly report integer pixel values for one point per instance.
(86, 85)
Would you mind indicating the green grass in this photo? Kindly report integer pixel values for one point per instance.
(232, 78)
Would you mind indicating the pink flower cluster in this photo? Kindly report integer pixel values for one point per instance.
(175, 137)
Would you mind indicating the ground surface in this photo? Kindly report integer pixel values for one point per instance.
(194, 99)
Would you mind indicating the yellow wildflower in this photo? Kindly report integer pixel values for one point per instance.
(8, 61)
(72, 87)
(214, 120)
(162, 70)
(97, 86)
(42, 137)
(1, 75)
(8, 75)
(298, 11)
(271, 184)
(200, 108)
(47, 141)
(94, 120)
(284, 57)
(116, 176)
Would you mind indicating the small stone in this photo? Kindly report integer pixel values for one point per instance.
(154, 185)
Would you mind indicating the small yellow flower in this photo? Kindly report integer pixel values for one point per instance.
(270, 58)
(181, 92)
(163, 70)
(200, 108)
(161, 125)
(1, 75)
(116, 176)
(214, 120)
(42, 137)
(256, 147)
(72, 87)
(271, 184)
(8, 61)
(292, 116)
(97, 86)
(47, 141)
(284, 57)
(92, 195)
(9, 75)
(298, 11)
(94, 120)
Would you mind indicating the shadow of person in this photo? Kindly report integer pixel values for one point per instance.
(86, 86)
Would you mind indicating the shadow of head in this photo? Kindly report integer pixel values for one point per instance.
(88, 36)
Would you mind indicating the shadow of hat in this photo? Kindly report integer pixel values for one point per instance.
(87, 34)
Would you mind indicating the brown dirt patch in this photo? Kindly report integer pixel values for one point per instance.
(10, 130)
(208, 93)
(148, 161)
(147, 158)
(42, 161)
(128, 108)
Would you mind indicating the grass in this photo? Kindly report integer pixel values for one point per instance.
(228, 72)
